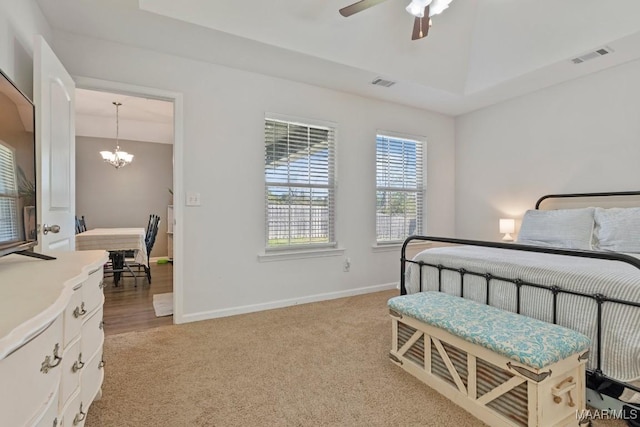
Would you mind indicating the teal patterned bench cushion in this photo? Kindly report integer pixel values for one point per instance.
(526, 340)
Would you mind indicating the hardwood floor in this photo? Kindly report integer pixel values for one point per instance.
(129, 308)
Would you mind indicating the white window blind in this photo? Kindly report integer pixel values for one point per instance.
(8, 195)
(299, 184)
(399, 188)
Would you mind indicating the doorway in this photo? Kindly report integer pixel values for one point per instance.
(147, 124)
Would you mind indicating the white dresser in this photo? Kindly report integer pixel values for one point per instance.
(51, 336)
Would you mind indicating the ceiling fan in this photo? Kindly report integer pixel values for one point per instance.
(423, 10)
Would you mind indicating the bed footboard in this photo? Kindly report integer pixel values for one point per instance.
(596, 379)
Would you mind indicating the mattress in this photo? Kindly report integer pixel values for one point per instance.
(620, 337)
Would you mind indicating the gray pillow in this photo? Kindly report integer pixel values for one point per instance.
(561, 228)
(617, 229)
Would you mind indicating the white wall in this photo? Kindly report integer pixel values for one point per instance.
(20, 20)
(224, 160)
(579, 136)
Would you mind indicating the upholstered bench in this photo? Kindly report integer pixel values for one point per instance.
(502, 367)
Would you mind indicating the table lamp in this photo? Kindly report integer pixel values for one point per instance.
(507, 226)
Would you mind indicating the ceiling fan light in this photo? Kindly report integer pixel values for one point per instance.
(415, 10)
(416, 7)
(438, 6)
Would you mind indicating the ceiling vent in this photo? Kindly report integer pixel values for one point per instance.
(382, 82)
(592, 55)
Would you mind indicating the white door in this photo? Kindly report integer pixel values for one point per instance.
(53, 92)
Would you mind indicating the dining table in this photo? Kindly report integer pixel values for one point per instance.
(116, 241)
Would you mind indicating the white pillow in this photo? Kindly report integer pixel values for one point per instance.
(617, 229)
(561, 228)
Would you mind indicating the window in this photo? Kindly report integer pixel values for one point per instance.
(8, 195)
(399, 188)
(299, 184)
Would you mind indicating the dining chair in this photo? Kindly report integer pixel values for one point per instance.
(81, 224)
(149, 240)
(118, 264)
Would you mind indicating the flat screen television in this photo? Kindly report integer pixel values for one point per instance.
(18, 230)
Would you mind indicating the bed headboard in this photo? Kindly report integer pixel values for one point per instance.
(601, 195)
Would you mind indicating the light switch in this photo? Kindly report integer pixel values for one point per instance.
(193, 198)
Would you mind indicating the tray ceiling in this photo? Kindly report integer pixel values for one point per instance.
(478, 52)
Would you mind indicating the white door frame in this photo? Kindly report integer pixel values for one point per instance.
(178, 150)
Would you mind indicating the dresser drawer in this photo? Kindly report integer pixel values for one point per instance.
(73, 316)
(86, 297)
(92, 335)
(74, 413)
(30, 375)
(92, 294)
(72, 364)
(49, 418)
(91, 378)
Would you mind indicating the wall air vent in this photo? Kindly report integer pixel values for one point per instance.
(382, 82)
(592, 55)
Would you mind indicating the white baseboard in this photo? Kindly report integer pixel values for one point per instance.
(225, 312)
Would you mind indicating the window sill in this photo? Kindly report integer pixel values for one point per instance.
(396, 247)
(299, 254)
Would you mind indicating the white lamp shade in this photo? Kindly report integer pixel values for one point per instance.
(126, 156)
(507, 225)
(107, 155)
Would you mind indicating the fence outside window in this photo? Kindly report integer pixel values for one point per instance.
(299, 184)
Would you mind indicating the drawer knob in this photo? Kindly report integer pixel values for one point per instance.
(78, 364)
(79, 416)
(101, 285)
(47, 364)
(101, 325)
(79, 311)
(55, 422)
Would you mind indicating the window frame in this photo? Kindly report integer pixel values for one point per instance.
(311, 248)
(420, 190)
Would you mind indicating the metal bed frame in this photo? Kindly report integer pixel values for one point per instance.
(596, 379)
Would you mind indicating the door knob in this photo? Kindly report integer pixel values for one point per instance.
(50, 228)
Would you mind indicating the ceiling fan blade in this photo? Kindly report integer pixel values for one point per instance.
(358, 7)
(421, 26)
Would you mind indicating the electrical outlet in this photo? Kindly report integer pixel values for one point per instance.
(346, 267)
(193, 198)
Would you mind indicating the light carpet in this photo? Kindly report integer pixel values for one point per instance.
(320, 364)
(163, 304)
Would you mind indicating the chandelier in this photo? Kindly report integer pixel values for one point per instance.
(117, 158)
